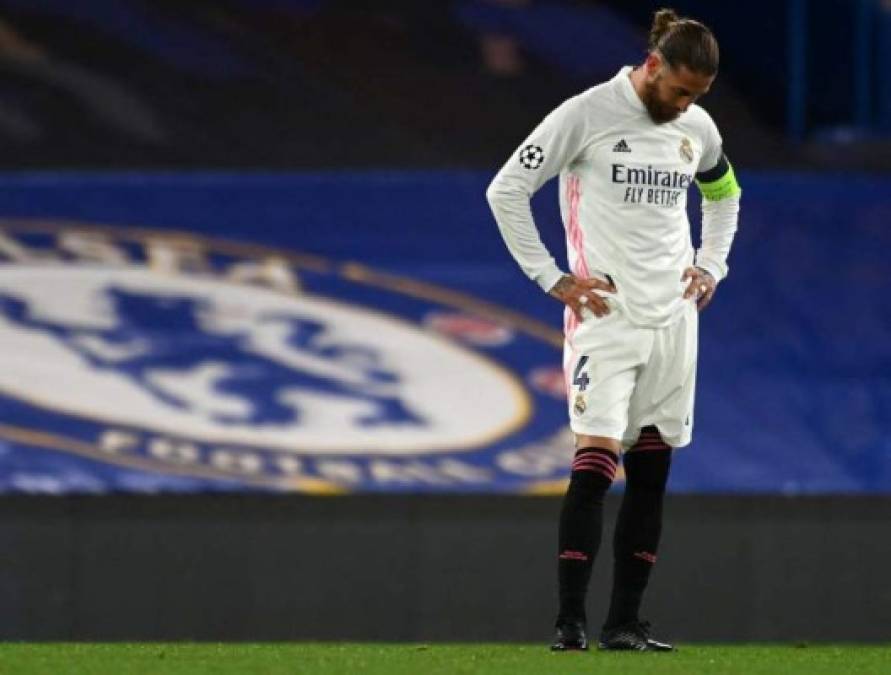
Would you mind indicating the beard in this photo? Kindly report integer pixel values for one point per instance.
(659, 112)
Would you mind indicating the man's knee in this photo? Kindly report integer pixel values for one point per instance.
(586, 441)
(648, 463)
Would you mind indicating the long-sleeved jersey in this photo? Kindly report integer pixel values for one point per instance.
(623, 197)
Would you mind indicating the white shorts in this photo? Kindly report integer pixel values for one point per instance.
(621, 377)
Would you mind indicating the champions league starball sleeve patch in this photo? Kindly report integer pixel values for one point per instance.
(532, 156)
(138, 360)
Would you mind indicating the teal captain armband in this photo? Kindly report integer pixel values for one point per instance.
(718, 183)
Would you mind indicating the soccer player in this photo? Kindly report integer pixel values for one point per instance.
(626, 151)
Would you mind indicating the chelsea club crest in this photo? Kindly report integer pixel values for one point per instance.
(161, 360)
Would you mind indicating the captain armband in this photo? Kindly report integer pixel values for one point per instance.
(719, 182)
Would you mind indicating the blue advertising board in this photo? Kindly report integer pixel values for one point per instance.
(339, 332)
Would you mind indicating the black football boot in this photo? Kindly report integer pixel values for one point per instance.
(632, 636)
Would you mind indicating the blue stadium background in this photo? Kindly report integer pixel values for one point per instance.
(794, 392)
(795, 370)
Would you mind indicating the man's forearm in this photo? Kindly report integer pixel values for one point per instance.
(719, 223)
(513, 214)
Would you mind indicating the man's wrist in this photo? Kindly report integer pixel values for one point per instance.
(563, 283)
(706, 270)
(548, 279)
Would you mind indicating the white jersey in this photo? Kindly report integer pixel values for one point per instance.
(623, 196)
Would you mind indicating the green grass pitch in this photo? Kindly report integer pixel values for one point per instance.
(434, 659)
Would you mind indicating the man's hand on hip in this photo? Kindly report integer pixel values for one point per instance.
(701, 287)
(578, 294)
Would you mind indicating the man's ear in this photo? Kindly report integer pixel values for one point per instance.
(653, 64)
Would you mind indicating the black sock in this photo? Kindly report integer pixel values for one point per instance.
(581, 523)
(639, 525)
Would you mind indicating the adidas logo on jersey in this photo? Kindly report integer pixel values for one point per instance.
(621, 146)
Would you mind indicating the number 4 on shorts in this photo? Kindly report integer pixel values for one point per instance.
(579, 378)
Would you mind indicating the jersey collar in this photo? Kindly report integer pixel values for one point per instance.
(623, 80)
